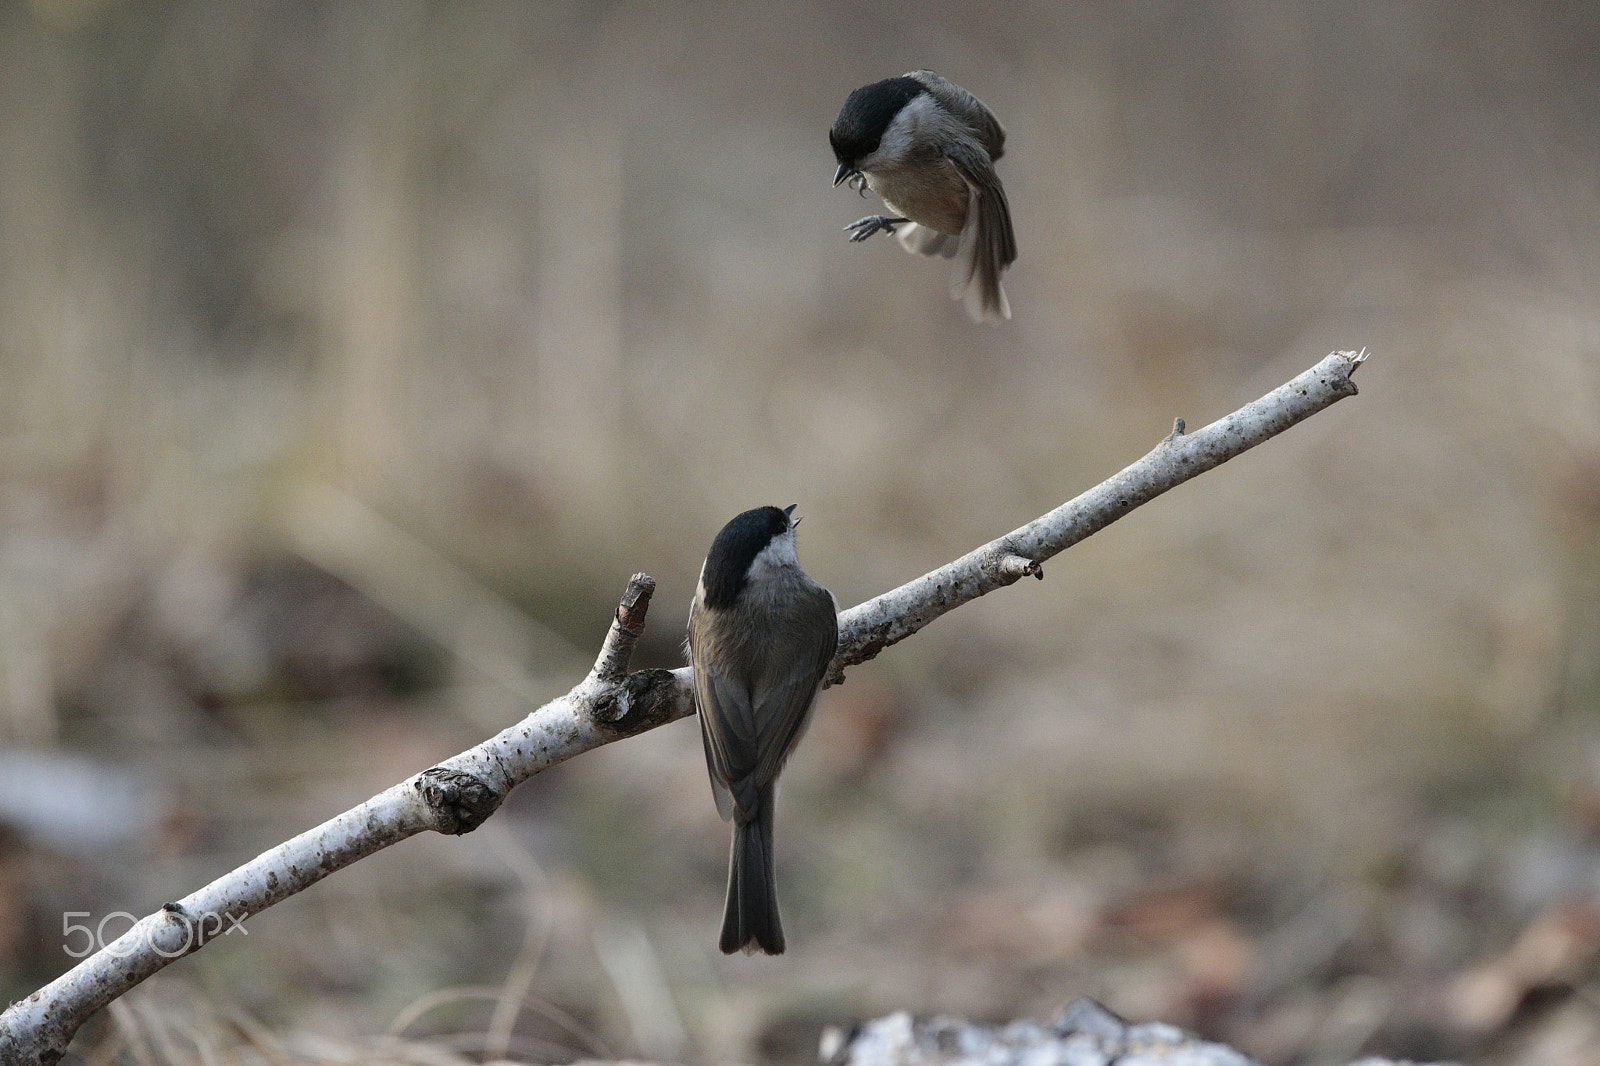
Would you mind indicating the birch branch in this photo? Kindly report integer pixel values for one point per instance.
(867, 629)
(609, 704)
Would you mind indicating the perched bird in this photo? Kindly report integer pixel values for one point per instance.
(761, 635)
(928, 148)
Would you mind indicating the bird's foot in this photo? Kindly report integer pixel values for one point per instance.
(862, 228)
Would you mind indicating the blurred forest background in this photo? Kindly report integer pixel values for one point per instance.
(352, 356)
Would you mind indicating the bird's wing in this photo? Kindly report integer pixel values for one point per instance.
(995, 217)
(924, 240)
(966, 107)
(727, 729)
(988, 243)
(786, 700)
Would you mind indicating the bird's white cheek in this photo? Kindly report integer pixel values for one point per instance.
(778, 553)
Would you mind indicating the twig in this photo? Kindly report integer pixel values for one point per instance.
(609, 704)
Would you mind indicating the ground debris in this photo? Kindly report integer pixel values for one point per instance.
(1084, 1034)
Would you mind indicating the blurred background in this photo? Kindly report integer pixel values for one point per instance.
(354, 355)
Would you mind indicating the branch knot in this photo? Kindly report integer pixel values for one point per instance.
(1008, 567)
(643, 700)
(457, 802)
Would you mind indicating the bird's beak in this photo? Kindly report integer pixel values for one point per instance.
(789, 512)
(845, 171)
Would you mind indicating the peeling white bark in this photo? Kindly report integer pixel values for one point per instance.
(610, 704)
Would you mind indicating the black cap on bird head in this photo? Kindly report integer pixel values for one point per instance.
(866, 113)
(736, 547)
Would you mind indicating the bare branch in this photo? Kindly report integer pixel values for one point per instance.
(867, 629)
(610, 704)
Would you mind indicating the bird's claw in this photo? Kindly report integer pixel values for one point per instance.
(862, 228)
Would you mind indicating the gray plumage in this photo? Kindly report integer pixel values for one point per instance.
(761, 635)
(927, 147)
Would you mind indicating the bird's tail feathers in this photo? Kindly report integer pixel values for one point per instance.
(750, 920)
